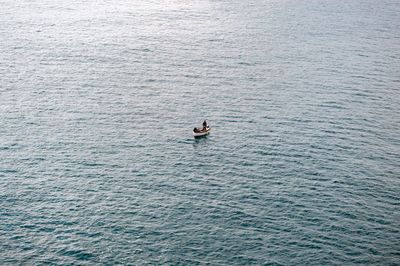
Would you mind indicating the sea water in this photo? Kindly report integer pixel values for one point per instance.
(97, 160)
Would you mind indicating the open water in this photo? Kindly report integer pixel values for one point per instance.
(97, 103)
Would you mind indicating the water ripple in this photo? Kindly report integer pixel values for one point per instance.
(98, 165)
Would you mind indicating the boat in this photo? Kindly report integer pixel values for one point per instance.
(199, 132)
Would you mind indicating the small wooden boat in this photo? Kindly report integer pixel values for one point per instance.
(199, 132)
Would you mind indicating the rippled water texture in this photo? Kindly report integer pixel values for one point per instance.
(97, 160)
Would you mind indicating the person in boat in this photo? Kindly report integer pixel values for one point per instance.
(204, 125)
(195, 130)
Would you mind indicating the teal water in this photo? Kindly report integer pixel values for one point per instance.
(98, 164)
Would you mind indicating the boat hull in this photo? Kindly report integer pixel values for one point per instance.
(202, 133)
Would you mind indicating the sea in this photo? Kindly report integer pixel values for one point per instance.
(98, 165)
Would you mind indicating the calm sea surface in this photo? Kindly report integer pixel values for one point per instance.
(98, 164)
